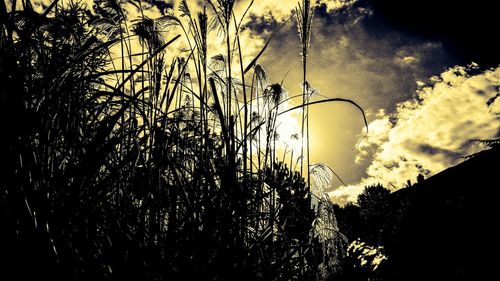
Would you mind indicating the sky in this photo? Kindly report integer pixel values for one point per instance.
(426, 73)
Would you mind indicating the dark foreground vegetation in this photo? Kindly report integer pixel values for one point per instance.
(126, 157)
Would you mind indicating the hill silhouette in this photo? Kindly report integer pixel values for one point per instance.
(446, 225)
(440, 228)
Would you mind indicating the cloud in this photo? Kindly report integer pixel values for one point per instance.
(333, 5)
(348, 60)
(431, 131)
(406, 60)
(283, 8)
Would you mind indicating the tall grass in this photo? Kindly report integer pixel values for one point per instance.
(123, 158)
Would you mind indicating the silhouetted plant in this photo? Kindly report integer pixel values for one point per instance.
(134, 162)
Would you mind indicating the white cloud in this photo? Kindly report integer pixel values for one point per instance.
(282, 9)
(406, 61)
(338, 4)
(430, 132)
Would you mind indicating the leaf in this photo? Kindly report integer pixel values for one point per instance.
(328, 101)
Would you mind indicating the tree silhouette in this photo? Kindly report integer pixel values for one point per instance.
(373, 205)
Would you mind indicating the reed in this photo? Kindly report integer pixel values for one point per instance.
(133, 160)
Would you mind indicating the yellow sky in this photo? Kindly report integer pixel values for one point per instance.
(412, 129)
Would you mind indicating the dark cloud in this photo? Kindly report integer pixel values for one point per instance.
(354, 46)
(433, 150)
(261, 24)
(468, 29)
(162, 5)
